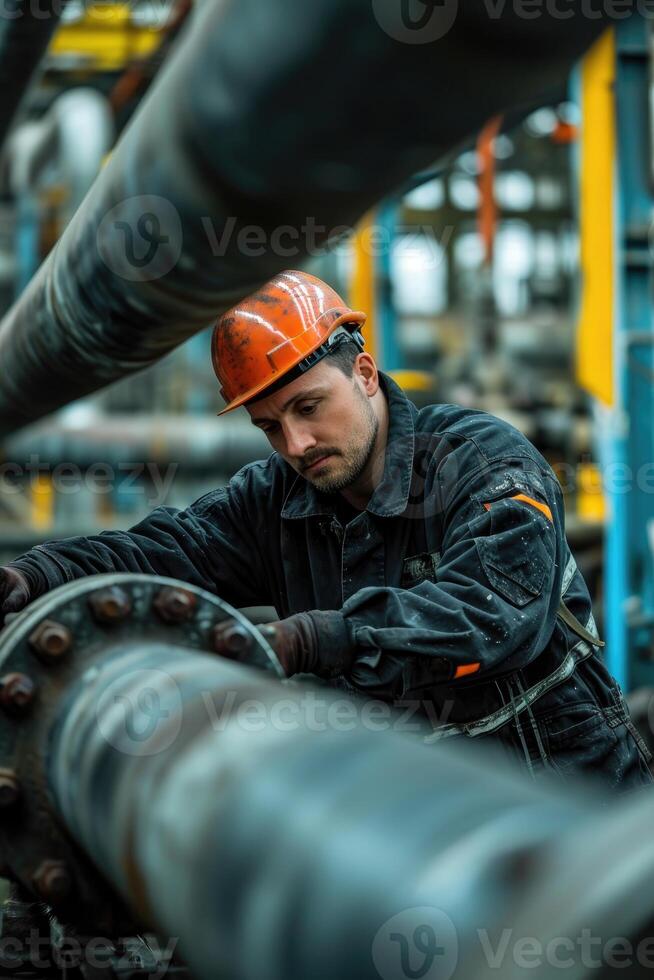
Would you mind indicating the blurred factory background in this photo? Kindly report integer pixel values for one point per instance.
(471, 276)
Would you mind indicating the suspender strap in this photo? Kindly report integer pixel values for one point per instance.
(588, 639)
(573, 623)
(491, 723)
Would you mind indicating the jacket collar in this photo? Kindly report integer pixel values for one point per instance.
(391, 496)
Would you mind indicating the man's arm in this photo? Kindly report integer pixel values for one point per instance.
(212, 544)
(491, 608)
(493, 604)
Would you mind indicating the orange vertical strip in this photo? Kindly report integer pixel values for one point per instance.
(487, 213)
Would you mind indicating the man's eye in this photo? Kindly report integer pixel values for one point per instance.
(308, 409)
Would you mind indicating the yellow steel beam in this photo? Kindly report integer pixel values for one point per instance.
(591, 505)
(414, 380)
(104, 38)
(362, 286)
(597, 170)
(42, 502)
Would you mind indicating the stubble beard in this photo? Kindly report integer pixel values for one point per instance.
(356, 457)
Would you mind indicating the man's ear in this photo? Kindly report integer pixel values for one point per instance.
(365, 370)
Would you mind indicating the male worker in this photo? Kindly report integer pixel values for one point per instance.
(411, 556)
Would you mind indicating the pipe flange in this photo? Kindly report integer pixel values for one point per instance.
(42, 652)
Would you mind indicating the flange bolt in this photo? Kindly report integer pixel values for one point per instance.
(230, 639)
(110, 605)
(51, 640)
(175, 605)
(16, 692)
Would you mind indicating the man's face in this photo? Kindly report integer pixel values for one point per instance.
(323, 424)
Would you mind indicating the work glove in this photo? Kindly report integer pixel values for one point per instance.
(314, 642)
(14, 591)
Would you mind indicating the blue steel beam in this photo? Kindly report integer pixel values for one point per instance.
(630, 569)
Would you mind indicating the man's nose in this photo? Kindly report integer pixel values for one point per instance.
(299, 440)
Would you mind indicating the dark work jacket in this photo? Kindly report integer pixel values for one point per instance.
(448, 583)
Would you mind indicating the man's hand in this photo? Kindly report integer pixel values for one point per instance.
(308, 643)
(14, 592)
(295, 642)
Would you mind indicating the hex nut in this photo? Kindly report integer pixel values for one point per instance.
(232, 640)
(51, 640)
(16, 692)
(110, 605)
(174, 605)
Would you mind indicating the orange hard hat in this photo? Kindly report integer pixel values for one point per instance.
(278, 332)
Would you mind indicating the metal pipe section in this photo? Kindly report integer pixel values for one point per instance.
(67, 633)
(25, 32)
(270, 128)
(54, 139)
(278, 832)
(199, 442)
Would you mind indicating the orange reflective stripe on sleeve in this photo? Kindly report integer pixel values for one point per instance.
(543, 508)
(464, 669)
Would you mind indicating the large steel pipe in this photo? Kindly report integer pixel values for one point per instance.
(272, 125)
(276, 835)
(270, 830)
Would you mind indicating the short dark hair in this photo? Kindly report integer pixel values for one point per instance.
(344, 356)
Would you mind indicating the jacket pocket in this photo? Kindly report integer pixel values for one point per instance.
(515, 555)
(579, 740)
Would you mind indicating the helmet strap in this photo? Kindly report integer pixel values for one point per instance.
(343, 334)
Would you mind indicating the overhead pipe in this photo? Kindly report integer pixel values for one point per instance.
(85, 110)
(269, 128)
(54, 139)
(25, 32)
(200, 444)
